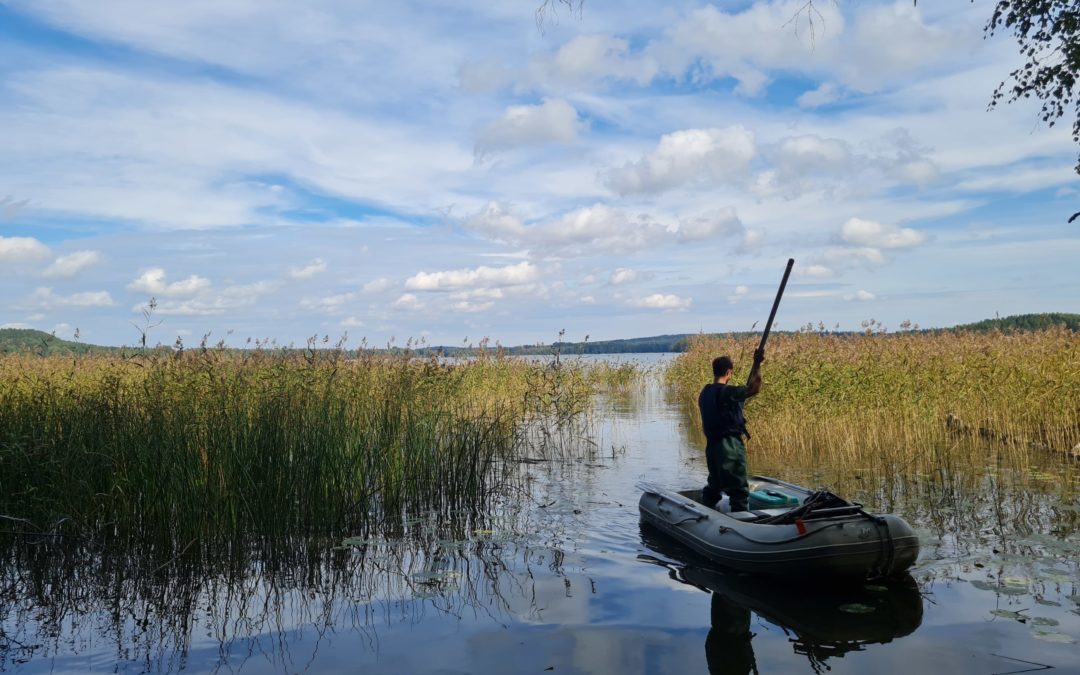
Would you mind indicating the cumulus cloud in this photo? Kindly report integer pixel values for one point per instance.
(865, 256)
(328, 304)
(553, 121)
(378, 285)
(599, 228)
(869, 233)
(309, 271)
(662, 301)
(688, 156)
(208, 303)
(152, 282)
(408, 301)
(716, 223)
(582, 61)
(738, 294)
(468, 307)
(45, 298)
(352, 322)
(22, 250)
(624, 275)
(826, 93)
(801, 154)
(815, 271)
(589, 230)
(510, 275)
(860, 296)
(67, 266)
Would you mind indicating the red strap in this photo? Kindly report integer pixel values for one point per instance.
(800, 526)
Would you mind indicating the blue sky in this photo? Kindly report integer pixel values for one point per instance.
(447, 172)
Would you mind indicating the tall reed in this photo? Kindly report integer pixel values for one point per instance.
(901, 400)
(264, 441)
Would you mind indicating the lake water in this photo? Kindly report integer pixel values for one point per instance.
(572, 584)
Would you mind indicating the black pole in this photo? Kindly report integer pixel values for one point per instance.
(776, 304)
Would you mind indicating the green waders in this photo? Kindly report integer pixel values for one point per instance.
(726, 458)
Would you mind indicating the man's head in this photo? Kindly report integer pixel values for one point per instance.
(722, 366)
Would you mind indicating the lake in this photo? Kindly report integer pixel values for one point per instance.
(563, 579)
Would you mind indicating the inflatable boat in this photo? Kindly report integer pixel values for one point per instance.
(789, 530)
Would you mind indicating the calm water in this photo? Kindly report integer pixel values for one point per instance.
(571, 584)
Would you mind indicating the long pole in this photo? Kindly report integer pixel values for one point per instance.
(776, 304)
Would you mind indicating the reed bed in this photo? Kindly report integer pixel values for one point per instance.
(904, 401)
(182, 446)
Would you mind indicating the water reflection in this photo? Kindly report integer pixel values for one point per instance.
(823, 620)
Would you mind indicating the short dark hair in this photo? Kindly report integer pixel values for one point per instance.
(720, 365)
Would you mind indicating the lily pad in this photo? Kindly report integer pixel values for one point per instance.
(1048, 603)
(983, 586)
(1013, 590)
(856, 608)
(1008, 614)
(1043, 621)
(1050, 636)
(875, 588)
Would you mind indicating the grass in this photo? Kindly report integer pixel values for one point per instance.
(901, 401)
(212, 441)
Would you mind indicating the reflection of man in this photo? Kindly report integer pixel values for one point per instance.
(721, 406)
(727, 647)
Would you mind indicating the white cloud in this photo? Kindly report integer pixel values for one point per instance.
(815, 271)
(662, 301)
(309, 271)
(22, 250)
(812, 153)
(860, 296)
(408, 301)
(587, 300)
(328, 304)
(45, 298)
(511, 275)
(738, 294)
(716, 223)
(688, 156)
(152, 282)
(67, 266)
(553, 121)
(378, 285)
(866, 256)
(352, 322)
(207, 303)
(624, 275)
(468, 307)
(826, 93)
(873, 234)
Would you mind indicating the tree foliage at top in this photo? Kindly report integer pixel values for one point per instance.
(1048, 33)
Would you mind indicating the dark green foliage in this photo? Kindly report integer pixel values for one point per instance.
(1048, 33)
(1025, 322)
(28, 341)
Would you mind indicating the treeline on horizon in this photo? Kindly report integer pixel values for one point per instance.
(25, 340)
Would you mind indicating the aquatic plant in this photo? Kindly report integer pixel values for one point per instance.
(267, 441)
(900, 401)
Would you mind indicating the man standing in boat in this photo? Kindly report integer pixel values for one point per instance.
(721, 406)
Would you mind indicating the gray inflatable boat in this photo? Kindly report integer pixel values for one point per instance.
(789, 530)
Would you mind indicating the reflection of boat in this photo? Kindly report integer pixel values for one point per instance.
(814, 533)
(825, 621)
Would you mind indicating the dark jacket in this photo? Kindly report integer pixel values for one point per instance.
(721, 407)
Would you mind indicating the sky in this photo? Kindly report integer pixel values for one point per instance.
(451, 171)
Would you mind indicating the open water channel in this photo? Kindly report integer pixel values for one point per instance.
(570, 583)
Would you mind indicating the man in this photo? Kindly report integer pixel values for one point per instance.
(721, 406)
